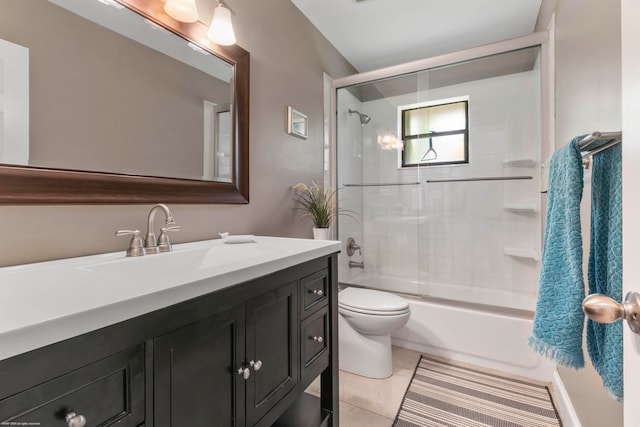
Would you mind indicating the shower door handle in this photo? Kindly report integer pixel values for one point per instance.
(602, 309)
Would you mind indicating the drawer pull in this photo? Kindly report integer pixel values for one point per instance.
(317, 339)
(74, 420)
(318, 292)
(245, 372)
(256, 365)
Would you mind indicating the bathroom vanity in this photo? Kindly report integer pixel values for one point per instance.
(208, 335)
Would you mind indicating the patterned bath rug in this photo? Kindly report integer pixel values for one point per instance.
(452, 394)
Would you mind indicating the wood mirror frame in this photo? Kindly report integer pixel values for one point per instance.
(24, 185)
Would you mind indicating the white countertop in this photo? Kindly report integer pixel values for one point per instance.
(47, 302)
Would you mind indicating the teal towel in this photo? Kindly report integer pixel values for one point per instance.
(559, 321)
(604, 342)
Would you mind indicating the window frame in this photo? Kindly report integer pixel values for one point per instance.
(402, 160)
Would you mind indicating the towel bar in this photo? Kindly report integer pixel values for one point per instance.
(480, 178)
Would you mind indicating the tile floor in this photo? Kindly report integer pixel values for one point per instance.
(370, 402)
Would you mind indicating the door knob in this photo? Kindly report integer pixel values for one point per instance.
(256, 365)
(602, 309)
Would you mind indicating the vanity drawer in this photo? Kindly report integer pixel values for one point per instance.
(315, 338)
(314, 289)
(106, 392)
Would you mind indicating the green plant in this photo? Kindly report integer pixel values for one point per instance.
(318, 202)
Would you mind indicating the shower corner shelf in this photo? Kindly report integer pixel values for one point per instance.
(521, 207)
(519, 163)
(527, 253)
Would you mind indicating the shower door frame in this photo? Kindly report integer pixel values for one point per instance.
(540, 39)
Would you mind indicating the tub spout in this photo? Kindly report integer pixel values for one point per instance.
(354, 264)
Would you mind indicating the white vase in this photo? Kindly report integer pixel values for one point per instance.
(321, 233)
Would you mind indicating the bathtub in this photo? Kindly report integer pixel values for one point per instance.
(446, 291)
(495, 338)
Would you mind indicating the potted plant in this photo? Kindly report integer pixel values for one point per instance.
(319, 204)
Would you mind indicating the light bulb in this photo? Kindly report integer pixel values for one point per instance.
(182, 10)
(221, 29)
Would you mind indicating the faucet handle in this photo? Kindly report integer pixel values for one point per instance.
(136, 248)
(352, 247)
(163, 238)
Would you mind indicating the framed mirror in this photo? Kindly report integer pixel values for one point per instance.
(129, 128)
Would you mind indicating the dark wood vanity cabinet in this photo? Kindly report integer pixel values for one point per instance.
(242, 356)
(228, 369)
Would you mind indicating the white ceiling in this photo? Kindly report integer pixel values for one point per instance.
(373, 34)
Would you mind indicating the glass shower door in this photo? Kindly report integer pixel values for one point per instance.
(442, 170)
(384, 197)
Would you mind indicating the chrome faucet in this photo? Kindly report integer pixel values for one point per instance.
(352, 247)
(163, 245)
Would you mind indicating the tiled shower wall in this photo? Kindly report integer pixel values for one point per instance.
(474, 241)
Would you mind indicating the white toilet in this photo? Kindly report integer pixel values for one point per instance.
(366, 320)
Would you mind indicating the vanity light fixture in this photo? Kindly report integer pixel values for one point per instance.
(221, 29)
(182, 10)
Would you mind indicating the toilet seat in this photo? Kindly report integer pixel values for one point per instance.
(368, 301)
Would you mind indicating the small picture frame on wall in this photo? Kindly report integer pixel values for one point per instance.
(297, 123)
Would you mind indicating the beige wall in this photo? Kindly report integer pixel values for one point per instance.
(288, 58)
(588, 98)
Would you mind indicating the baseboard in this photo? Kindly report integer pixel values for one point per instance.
(563, 403)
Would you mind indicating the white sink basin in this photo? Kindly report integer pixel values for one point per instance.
(176, 263)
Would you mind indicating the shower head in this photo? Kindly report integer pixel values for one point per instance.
(364, 119)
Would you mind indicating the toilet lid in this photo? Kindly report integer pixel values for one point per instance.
(370, 301)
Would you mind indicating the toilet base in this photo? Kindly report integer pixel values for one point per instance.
(365, 355)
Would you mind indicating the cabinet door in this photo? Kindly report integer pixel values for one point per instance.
(195, 379)
(315, 337)
(107, 392)
(272, 339)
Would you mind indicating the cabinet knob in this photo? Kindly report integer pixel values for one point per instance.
(74, 420)
(318, 339)
(244, 372)
(318, 292)
(256, 365)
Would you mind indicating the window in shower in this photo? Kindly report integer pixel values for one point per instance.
(435, 132)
